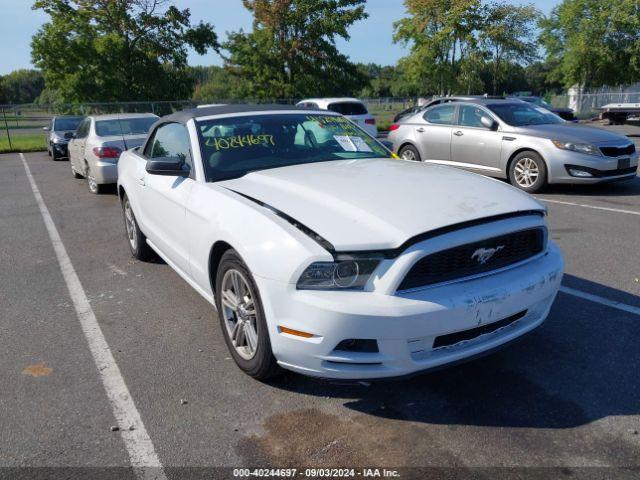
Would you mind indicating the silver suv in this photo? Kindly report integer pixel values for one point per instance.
(511, 139)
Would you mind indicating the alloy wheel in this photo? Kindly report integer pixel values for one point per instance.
(93, 185)
(526, 172)
(130, 225)
(239, 313)
(408, 154)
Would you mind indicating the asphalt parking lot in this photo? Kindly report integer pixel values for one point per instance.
(566, 396)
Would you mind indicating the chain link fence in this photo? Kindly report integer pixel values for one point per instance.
(588, 103)
(21, 126)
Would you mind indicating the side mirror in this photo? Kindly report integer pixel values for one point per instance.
(488, 123)
(167, 166)
(69, 135)
(46, 129)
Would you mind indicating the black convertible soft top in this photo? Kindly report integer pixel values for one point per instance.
(185, 115)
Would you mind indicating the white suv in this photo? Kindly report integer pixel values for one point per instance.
(352, 108)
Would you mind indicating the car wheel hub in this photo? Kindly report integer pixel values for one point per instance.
(526, 172)
(130, 225)
(239, 312)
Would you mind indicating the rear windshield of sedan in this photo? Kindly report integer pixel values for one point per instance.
(233, 147)
(66, 124)
(348, 108)
(523, 114)
(124, 126)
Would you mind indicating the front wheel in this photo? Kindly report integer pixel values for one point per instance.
(242, 318)
(528, 172)
(140, 249)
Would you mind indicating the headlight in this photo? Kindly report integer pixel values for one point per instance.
(578, 147)
(59, 140)
(348, 274)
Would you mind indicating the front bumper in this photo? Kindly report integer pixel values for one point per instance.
(605, 169)
(406, 325)
(60, 149)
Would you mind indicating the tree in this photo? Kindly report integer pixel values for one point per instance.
(507, 36)
(214, 84)
(593, 42)
(291, 52)
(117, 50)
(441, 34)
(21, 86)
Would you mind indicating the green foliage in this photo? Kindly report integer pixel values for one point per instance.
(291, 52)
(116, 50)
(593, 42)
(214, 84)
(21, 86)
(453, 41)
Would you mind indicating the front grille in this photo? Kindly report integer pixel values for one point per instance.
(618, 151)
(474, 258)
(465, 335)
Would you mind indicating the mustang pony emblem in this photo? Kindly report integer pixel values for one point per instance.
(483, 255)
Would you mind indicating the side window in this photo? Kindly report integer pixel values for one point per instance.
(83, 128)
(441, 115)
(470, 116)
(170, 140)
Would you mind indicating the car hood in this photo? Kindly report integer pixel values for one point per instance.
(378, 203)
(571, 132)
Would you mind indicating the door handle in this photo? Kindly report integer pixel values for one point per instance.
(141, 181)
(421, 130)
(458, 133)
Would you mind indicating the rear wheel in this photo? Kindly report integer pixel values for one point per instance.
(94, 186)
(409, 152)
(242, 318)
(140, 249)
(528, 172)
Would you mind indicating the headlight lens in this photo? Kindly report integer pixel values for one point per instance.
(59, 140)
(348, 274)
(578, 147)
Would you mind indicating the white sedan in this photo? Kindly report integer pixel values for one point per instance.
(324, 255)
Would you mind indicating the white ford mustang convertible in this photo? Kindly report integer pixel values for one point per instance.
(324, 255)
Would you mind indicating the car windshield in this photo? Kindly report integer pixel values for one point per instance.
(522, 114)
(66, 124)
(233, 147)
(124, 126)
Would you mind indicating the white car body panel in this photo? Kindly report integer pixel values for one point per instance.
(356, 205)
(387, 204)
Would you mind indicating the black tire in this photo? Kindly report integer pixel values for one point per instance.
(138, 245)
(263, 364)
(54, 156)
(49, 150)
(409, 152)
(522, 179)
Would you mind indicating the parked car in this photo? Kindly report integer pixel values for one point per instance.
(564, 113)
(437, 101)
(59, 131)
(352, 108)
(324, 255)
(512, 139)
(98, 142)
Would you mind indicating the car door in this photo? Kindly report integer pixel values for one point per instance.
(163, 198)
(473, 145)
(77, 144)
(433, 133)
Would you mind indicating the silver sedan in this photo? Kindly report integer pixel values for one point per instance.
(96, 145)
(528, 145)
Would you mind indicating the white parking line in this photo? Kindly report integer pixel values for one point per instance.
(601, 300)
(138, 443)
(608, 209)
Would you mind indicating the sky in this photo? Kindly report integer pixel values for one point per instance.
(371, 39)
